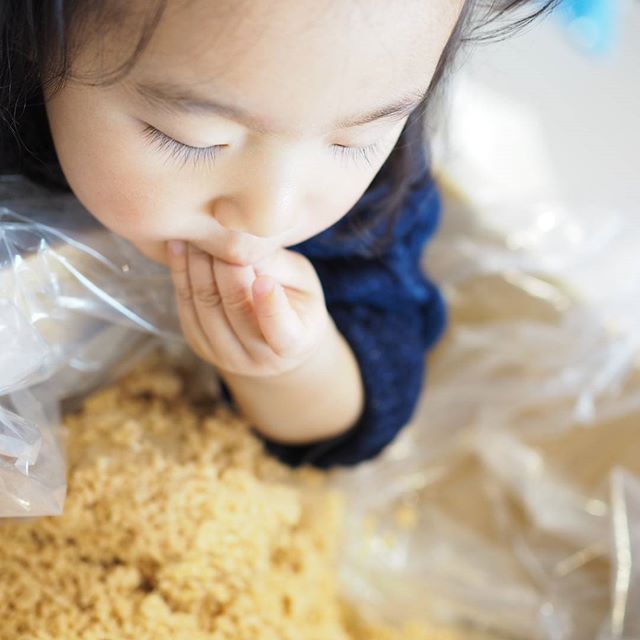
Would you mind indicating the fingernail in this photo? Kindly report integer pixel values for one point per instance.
(176, 247)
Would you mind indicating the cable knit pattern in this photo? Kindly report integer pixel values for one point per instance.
(389, 312)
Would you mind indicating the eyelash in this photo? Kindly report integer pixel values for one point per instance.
(180, 151)
(357, 153)
(184, 153)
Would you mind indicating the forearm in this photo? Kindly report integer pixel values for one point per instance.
(320, 399)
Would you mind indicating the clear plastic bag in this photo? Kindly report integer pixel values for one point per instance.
(77, 306)
(496, 505)
(624, 621)
(502, 504)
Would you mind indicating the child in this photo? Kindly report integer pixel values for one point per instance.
(271, 154)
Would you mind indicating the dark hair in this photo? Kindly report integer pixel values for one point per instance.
(37, 41)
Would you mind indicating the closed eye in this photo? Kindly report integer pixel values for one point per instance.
(366, 154)
(183, 153)
(179, 151)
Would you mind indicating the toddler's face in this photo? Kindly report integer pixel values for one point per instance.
(257, 116)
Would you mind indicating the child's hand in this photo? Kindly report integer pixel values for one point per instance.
(231, 319)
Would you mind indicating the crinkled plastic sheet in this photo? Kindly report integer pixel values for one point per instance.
(485, 511)
(506, 502)
(512, 500)
(77, 305)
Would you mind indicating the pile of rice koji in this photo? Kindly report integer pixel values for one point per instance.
(176, 525)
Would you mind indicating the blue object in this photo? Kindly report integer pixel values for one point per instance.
(388, 311)
(593, 24)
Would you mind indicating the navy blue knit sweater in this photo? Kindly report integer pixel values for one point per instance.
(387, 310)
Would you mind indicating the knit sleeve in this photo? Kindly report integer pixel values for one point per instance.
(390, 314)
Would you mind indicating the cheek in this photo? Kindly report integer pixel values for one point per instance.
(340, 191)
(111, 171)
(349, 184)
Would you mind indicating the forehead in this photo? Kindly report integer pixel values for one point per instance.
(302, 60)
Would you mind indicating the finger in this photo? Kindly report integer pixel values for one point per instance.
(290, 269)
(235, 247)
(279, 323)
(208, 305)
(301, 283)
(234, 283)
(177, 260)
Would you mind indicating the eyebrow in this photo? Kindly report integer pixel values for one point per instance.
(181, 99)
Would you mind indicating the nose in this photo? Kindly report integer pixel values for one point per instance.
(266, 206)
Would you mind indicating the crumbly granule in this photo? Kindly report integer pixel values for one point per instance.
(177, 526)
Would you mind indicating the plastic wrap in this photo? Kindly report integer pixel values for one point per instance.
(503, 504)
(498, 504)
(624, 621)
(77, 305)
